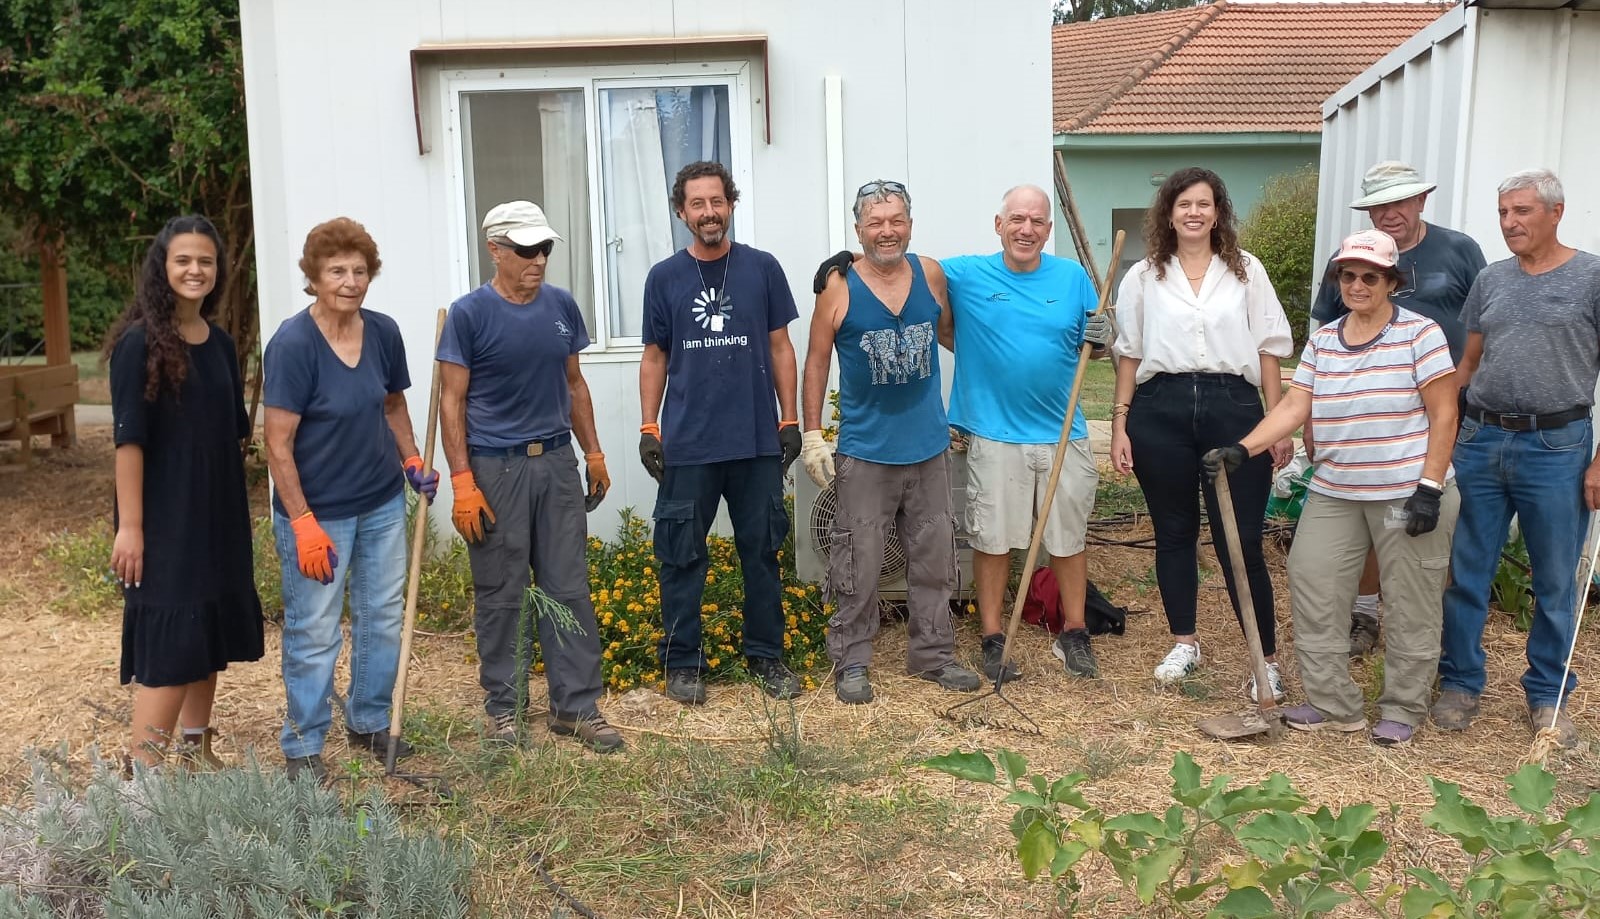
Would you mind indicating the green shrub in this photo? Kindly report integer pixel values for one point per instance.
(1281, 230)
(242, 843)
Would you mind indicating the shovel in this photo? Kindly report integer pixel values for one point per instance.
(970, 710)
(1267, 718)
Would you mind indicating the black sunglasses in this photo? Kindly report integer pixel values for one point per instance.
(1369, 278)
(877, 185)
(544, 248)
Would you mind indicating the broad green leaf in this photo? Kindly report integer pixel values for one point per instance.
(1352, 822)
(1040, 786)
(1140, 822)
(1067, 855)
(1270, 835)
(1245, 875)
(1365, 851)
(1153, 869)
(1421, 903)
(1014, 764)
(1185, 774)
(1532, 868)
(1087, 830)
(1065, 791)
(1192, 892)
(973, 767)
(1323, 899)
(1290, 868)
(1457, 817)
(1036, 850)
(1531, 788)
(1274, 794)
(1246, 903)
(1585, 818)
(1020, 798)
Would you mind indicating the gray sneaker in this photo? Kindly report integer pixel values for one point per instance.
(994, 648)
(1454, 710)
(852, 687)
(1364, 632)
(686, 685)
(1072, 649)
(1540, 718)
(505, 729)
(954, 677)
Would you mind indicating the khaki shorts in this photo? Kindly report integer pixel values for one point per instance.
(1005, 488)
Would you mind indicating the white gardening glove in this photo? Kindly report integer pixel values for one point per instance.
(817, 456)
(1100, 329)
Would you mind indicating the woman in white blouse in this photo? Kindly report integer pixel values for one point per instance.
(1202, 332)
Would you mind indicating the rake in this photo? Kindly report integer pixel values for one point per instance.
(972, 711)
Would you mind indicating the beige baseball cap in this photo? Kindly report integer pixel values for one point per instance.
(1388, 182)
(522, 222)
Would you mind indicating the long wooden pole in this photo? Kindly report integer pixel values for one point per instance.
(1265, 700)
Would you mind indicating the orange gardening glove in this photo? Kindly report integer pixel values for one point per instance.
(314, 549)
(599, 479)
(471, 510)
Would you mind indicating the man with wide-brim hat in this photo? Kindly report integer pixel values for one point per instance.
(1437, 266)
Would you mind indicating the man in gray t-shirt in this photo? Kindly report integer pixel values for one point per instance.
(1529, 370)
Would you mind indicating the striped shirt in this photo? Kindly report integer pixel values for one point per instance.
(1369, 425)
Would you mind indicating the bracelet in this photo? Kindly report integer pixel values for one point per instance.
(1122, 405)
(1431, 484)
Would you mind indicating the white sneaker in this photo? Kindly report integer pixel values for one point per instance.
(1274, 679)
(1181, 661)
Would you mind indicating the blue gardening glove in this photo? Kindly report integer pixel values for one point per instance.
(1422, 509)
(1223, 459)
(1099, 330)
(839, 261)
(425, 485)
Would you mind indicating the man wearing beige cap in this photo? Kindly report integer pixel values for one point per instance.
(513, 397)
(1437, 266)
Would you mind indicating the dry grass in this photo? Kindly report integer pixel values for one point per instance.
(714, 812)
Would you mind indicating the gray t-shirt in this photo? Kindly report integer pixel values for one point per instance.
(1438, 272)
(1541, 336)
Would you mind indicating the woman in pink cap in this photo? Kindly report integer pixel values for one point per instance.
(1377, 385)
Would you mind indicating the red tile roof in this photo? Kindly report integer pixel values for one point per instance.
(1225, 67)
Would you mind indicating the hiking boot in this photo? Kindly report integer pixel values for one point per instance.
(1072, 649)
(311, 765)
(776, 680)
(1540, 718)
(1304, 717)
(1454, 710)
(686, 685)
(1181, 661)
(852, 687)
(505, 729)
(1274, 679)
(592, 730)
(994, 648)
(954, 677)
(1364, 632)
(1388, 733)
(377, 743)
(193, 751)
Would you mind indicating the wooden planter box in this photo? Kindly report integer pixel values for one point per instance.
(37, 400)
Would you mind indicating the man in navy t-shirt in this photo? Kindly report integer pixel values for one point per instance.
(716, 338)
(513, 396)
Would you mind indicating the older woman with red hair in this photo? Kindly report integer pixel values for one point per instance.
(341, 451)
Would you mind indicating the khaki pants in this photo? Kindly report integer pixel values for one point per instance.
(1330, 548)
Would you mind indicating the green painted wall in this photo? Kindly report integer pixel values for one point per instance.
(1114, 173)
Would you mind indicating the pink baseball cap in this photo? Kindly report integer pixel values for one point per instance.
(1373, 246)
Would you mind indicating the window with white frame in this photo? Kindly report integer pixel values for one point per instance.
(597, 149)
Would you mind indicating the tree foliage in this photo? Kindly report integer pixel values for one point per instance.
(1085, 10)
(1281, 230)
(119, 114)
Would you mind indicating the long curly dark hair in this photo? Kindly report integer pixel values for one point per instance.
(154, 304)
(1161, 239)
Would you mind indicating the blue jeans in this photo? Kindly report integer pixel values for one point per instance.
(372, 560)
(1537, 475)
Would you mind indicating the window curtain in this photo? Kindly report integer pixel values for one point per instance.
(566, 196)
(638, 215)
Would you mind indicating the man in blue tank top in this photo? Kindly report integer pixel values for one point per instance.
(893, 440)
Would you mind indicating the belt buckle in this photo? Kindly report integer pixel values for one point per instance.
(1519, 423)
(536, 448)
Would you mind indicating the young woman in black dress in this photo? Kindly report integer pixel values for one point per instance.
(183, 541)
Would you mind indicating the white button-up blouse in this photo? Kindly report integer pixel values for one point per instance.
(1225, 328)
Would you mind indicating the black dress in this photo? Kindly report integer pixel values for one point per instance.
(197, 609)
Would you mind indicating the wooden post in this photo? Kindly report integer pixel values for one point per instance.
(57, 331)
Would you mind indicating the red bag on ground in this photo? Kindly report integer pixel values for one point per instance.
(1042, 606)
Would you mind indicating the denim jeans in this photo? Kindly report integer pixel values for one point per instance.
(372, 560)
(1537, 475)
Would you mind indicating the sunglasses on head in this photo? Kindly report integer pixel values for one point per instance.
(1369, 278)
(881, 185)
(544, 248)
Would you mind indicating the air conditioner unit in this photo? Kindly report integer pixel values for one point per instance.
(814, 510)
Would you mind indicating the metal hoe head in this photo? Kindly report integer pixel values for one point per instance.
(1239, 725)
(972, 713)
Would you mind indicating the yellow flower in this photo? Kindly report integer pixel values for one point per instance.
(713, 662)
(607, 654)
(622, 626)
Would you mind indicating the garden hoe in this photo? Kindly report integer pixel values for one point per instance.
(972, 711)
(1267, 718)
(431, 783)
(1548, 739)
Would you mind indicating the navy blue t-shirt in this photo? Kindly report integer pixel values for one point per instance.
(517, 354)
(343, 449)
(712, 319)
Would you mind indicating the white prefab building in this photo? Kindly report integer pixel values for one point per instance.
(415, 117)
(1486, 90)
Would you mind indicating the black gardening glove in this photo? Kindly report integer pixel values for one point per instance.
(789, 439)
(839, 261)
(1223, 459)
(1423, 508)
(655, 462)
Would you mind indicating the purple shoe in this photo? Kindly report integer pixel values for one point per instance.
(1392, 733)
(1304, 717)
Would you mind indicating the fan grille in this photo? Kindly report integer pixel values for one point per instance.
(823, 512)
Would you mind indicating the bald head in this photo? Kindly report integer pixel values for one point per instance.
(1023, 225)
(1023, 196)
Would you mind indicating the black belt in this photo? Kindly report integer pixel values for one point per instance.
(1515, 422)
(531, 448)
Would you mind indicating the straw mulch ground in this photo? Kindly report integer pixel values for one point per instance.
(58, 686)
